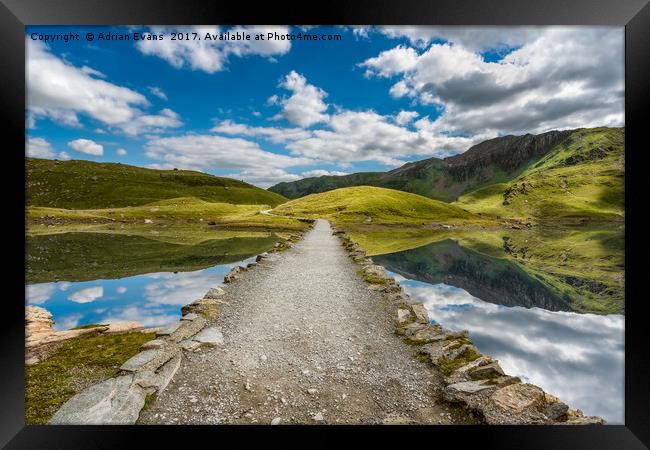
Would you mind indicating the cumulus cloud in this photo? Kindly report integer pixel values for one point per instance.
(87, 295)
(60, 91)
(369, 136)
(555, 350)
(87, 146)
(212, 55)
(273, 134)
(305, 106)
(39, 148)
(473, 38)
(37, 294)
(121, 152)
(196, 151)
(559, 78)
(404, 117)
(320, 173)
(157, 92)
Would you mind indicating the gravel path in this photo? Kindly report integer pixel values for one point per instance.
(306, 341)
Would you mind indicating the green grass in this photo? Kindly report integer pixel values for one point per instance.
(92, 185)
(448, 366)
(177, 211)
(366, 204)
(581, 268)
(89, 256)
(76, 365)
(580, 180)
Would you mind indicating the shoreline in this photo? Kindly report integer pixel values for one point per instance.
(471, 380)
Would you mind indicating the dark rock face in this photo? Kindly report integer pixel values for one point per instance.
(491, 279)
(441, 179)
(507, 153)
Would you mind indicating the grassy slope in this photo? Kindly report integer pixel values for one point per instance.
(89, 256)
(177, 210)
(584, 266)
(579, 180)
(79, 363)
(86, 184)
(376, 205)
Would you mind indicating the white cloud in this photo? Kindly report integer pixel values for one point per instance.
(68, 322)
(473, 38)
(87, 295)
(153, 123)
(273, 134)
(405, 117)
(559, 78)
(320, 173)
(39, 148)
(64, 156)
(368, 136)
(121, 152)
(212, 55)
(305, 106)
(196, 151)
(390, 62)
(37, 294)
(90, 71)
(157, 92)
(121, 289)
(60, 91)
(87, 146)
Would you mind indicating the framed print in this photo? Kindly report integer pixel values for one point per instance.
(422, 217)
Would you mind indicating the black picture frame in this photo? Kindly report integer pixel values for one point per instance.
(634, 15)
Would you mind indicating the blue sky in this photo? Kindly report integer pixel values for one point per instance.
(279, 110)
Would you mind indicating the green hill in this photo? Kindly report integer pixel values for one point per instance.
(366, 204)
(92, 185)
(580, 180)
(492, 161)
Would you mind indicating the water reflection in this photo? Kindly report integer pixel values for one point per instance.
(494, 280)
(577, 357)
(153, 299)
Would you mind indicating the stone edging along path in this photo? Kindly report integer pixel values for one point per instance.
(470, 378)
(119, 400)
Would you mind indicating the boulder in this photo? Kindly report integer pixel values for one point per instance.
(150, 359)
(403, 315)
(556, 411)
(190, 345)
(116, 401)
(123, 327)
(209, 336)
(375, 271)
(233, 274)
(420, 312)
(37, 320)
(214, 293)
(169, 329)
(516, 404)
(156, 381)
(518, 397)
(205, 307)
(187, 328)
(490, 370)
(460, 392)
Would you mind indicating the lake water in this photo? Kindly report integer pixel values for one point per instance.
(84, 278)
(513, 313)
(515, 318)
(153, 299)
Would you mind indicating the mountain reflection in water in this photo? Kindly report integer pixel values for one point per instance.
(519, 320)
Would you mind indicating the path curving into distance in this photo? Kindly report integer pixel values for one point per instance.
(306, 341)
